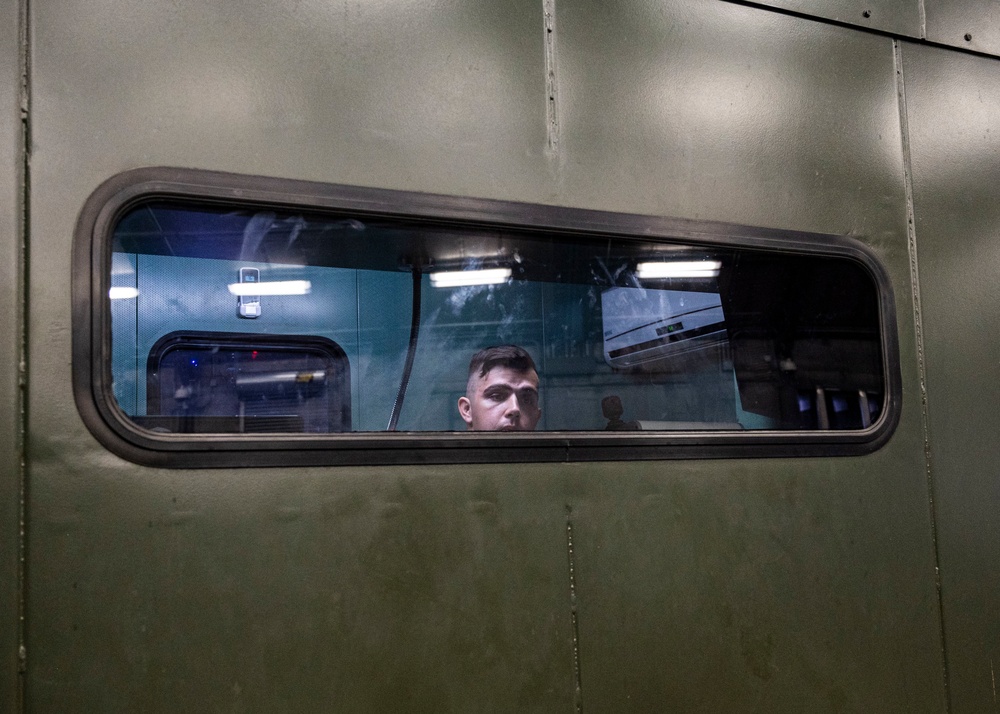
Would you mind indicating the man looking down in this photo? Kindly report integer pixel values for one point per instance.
(502, 392)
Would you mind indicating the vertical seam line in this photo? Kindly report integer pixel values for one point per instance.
(551, 84)
(24, 229)
(574, 614)
(911, 247)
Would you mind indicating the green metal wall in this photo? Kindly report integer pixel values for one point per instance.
(953, 104)
(762, 585)
(10, 348)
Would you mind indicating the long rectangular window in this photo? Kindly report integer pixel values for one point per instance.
(588, 330)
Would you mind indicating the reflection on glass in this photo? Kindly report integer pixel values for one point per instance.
(205, 382)
(625, 334)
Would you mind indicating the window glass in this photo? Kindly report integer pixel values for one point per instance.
(203, 382)
(625, 334)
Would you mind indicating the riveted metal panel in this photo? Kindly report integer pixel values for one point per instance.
(969, 24)
(775, 586)
(355, 590)
(898, 17)
(793, 125)
(953, 104)
(10, 325)
(449, 588)
(754, 585)
(443, 96)
(302, 589)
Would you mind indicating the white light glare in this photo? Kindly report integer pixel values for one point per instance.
(679, 269)
(122, 293)
(461, 278)
(278, 287)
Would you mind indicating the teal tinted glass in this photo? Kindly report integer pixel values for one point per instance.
(621, 333)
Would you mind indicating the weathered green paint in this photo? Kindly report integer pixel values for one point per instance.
(793, 125)
(969, 24)
(897, 17)
(972, 25)
(954, 121)
(346, 591)
(766, 583)
(10, 327)
(763, 585)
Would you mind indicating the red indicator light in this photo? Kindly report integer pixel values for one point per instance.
(253, 355)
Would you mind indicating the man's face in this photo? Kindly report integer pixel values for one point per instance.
(503, 400)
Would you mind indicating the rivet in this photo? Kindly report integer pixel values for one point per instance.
(968, 37)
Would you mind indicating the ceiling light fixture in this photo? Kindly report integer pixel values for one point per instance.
(678, 269)
(279, 287)
(122, 293)
(462, 278)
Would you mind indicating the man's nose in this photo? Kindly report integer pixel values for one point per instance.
(513, 406)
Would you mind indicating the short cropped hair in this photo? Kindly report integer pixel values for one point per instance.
(509, 356)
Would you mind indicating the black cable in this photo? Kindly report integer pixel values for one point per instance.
(411, 352)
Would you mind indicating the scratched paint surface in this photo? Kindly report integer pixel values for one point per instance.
(955, 134)
(775, 585)
(899, 17)
(969, 24)
(10, 310)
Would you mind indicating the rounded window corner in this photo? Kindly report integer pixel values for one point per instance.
(654, 338)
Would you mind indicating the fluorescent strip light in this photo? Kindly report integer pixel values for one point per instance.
(318, 376)
(280, 287)
(461, 278)
(122, 293)
(679, 269)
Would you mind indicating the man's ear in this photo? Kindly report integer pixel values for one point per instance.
(465, 410)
